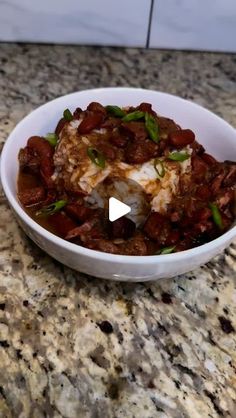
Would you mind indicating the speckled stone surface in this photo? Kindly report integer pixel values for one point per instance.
(78, 347)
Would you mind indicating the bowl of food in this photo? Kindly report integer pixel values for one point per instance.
(170, 161)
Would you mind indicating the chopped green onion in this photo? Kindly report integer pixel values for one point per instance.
(67, 115)
(52, 208)
(152, 127)
(52, 138)
(216, 215)
(178, 156)
(115, 111)
(136, 115)
(96, 157)
(159, 167)
(167, 250)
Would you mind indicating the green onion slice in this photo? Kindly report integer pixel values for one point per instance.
(96, 157)
(67, 115)
(136, 115)
(52, 208)
(216, 215)
(159, 167)
(179, 156)
(115, 111)
(167, 250)
(152, 127)
(52, 138)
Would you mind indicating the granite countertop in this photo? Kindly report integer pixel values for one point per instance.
(79, 347)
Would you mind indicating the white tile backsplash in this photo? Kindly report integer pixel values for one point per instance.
(194, 24)
(178, 24)
(101, 22)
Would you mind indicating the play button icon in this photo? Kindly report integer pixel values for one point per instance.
(117, 209)
(118, 197)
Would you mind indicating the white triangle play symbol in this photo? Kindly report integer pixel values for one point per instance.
(117, 209)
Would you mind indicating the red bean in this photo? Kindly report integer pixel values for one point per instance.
(28, 161)
(97, 107)
(90, 122)
(40, 147)
(77, 113)
(197, 148)
(45, 152)
(62, 122)
(181, 137)
(147, 107)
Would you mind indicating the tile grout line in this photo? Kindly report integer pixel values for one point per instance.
(149, 24)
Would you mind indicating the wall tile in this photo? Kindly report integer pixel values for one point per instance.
(194, 24)
(104, 22)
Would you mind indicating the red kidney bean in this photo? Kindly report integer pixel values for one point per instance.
(32, 196)
(28, 161)
(197, 148)
(45, 152)
(181, 137)
(77, 113)
(97, 107)
(146, 107)
(40, 147)
(90, 122)
(62, 122)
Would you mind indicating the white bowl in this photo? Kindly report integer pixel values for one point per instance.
(217, 136)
